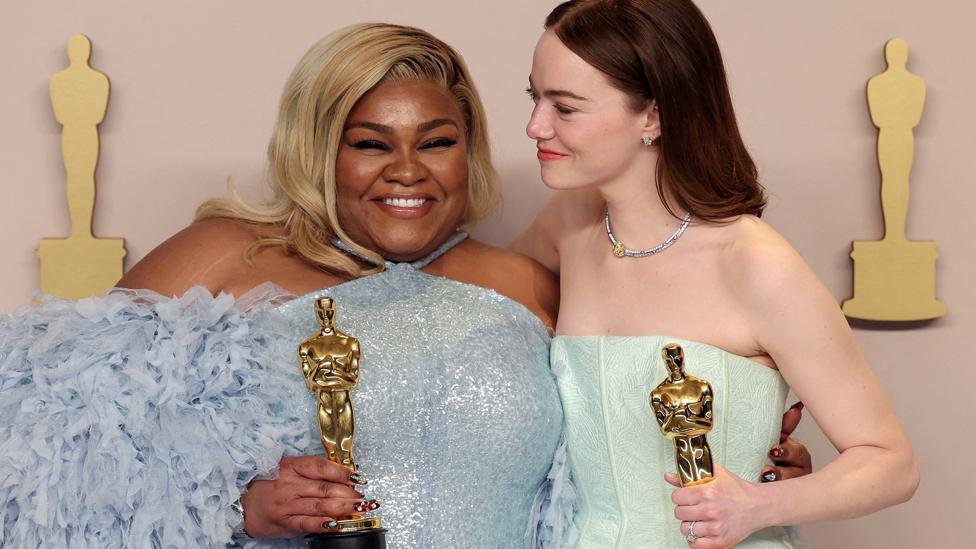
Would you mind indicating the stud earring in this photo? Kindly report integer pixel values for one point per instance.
(647, 141)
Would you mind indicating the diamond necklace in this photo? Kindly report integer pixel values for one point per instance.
(620, 250)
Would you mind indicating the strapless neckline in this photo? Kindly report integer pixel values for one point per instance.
(617, 453)
(678, 340)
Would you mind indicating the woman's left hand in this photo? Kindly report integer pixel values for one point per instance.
(724, 510)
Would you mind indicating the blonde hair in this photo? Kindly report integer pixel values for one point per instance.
(318, 97)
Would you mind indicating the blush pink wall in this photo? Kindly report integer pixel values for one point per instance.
(194, 92)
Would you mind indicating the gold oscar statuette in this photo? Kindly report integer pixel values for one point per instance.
(330, 366)
(682, 405)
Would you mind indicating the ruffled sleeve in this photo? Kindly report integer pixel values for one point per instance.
(135, 420)
(551, 523)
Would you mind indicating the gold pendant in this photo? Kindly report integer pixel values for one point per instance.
(619, 250)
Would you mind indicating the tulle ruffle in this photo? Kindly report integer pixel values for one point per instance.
(135, 420)
(551, 523)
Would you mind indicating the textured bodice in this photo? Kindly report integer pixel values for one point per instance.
(457, 413)
(616, 449)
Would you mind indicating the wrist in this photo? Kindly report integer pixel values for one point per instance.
(767, 504)
(238, 521)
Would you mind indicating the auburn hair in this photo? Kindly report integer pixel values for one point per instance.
(665, 51)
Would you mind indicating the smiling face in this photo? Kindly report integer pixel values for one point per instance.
(402, 169)
(585, 129)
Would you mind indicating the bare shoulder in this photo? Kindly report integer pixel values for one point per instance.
(574, 208)
(762, 265)
(564, 213)
(511, 274)
(208, 253)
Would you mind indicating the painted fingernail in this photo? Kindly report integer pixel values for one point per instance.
(368, 497)
(358, 478)
(769, 476)
(361, 507)
(776, 452)
(374, 505)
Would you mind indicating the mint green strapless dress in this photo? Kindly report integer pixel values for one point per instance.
(616, 450)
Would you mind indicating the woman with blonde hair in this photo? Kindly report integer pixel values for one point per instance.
(158, 415)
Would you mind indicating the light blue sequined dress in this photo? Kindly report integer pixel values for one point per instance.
(135, 421)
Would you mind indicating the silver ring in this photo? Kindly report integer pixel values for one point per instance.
(691, 537)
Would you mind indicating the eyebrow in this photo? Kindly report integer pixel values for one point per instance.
(558, 93)
(423, 127)
(436, 123)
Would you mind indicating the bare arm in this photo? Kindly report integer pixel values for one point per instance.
(207, 253)
(539, 240)
(560, 219)
(800, 325)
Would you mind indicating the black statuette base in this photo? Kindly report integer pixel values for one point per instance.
(366, 539)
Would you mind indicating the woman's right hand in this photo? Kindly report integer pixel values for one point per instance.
(309, 493)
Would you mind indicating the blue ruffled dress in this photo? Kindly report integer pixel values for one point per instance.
(135, 420)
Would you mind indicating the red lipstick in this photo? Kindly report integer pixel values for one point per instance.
(547, 155)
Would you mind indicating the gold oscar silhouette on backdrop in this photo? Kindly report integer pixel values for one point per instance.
(682, 405)
(80, 265)
(894, 278)
(330, 366)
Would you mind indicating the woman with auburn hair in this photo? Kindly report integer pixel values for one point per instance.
(140, 420)
(656, 236)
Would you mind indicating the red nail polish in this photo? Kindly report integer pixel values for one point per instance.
(358, 478)
(776, 452)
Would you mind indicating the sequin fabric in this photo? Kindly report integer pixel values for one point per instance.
(457, 413)
(137, 420)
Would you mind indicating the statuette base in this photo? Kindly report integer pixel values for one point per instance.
(894, 281)
(361, 533)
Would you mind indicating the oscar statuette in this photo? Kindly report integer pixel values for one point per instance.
(330, 366)
(682, 405)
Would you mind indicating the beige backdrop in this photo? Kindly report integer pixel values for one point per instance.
(194, 92)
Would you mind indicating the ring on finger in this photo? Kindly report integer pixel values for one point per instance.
(690, 537)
